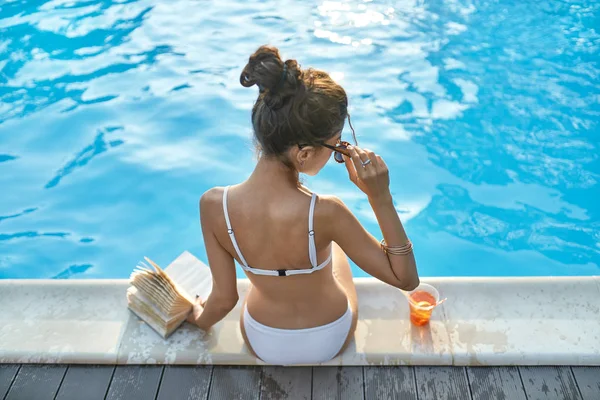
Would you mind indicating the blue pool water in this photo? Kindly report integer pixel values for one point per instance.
(115, 116)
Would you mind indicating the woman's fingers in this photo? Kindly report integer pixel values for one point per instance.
(356, 160)
(381, 163)
(368, 161)
(367, 170)
(362, 154)
(191, 318)
(350, 168)
(372, 177)
(373, 158)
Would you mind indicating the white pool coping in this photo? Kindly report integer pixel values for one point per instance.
(486, 321)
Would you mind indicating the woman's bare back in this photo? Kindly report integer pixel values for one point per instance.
(271, 228)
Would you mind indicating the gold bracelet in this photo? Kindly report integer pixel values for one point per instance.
(397, 250)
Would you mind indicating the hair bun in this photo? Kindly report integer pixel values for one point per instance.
(266, 69)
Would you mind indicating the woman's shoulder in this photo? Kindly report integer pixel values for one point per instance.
(326, 200)
(211, 199)
(213, 194)
(330, 211)
(330, 207)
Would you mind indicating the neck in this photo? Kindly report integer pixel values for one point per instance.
(272, 172)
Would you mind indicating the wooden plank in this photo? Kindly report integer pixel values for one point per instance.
(36, 382)
(492, 383)
(588, 381)
(390, 383)
(449, 383)
(549, 383)
(185, 382)
(339, 383)
(292, 383)
(93, 380)
(7, 376)
(134, 382)
(235, 383)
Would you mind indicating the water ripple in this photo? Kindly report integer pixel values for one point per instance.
(73, 270)
(99, 146)
(24, 212)
(18, 235)
(7, 157)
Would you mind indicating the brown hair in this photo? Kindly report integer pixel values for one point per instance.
(294, 106)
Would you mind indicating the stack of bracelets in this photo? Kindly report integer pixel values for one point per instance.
(397, 250)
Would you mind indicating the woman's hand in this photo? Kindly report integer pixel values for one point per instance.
(372, 178)
(195, 312)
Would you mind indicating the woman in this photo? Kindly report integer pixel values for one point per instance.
(302, 306)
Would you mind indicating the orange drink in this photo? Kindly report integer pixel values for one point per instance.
(422, 301)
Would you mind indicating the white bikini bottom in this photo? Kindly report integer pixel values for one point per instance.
(297, 346)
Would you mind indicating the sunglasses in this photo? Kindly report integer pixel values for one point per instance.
(340, 149)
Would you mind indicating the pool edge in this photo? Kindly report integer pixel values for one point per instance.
(486, 321)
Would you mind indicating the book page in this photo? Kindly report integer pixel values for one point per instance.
(191, 275)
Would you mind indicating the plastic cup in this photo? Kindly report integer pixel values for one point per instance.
(422, 301)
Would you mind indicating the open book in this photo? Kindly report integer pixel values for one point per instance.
(164, 298)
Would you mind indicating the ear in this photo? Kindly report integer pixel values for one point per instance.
(303, 154)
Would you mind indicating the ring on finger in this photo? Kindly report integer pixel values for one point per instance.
(366, 162)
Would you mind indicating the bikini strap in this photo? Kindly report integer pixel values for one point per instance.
(312, 248)
(230, 230)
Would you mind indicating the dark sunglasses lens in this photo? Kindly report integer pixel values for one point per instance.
(339, 157)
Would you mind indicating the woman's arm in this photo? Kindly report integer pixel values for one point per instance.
(224, 295)
(362, 248)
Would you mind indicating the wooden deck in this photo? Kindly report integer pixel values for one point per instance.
(91, 382)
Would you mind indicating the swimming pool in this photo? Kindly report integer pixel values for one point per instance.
(115, 116)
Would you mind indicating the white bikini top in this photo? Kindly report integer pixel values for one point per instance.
(312, 248)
